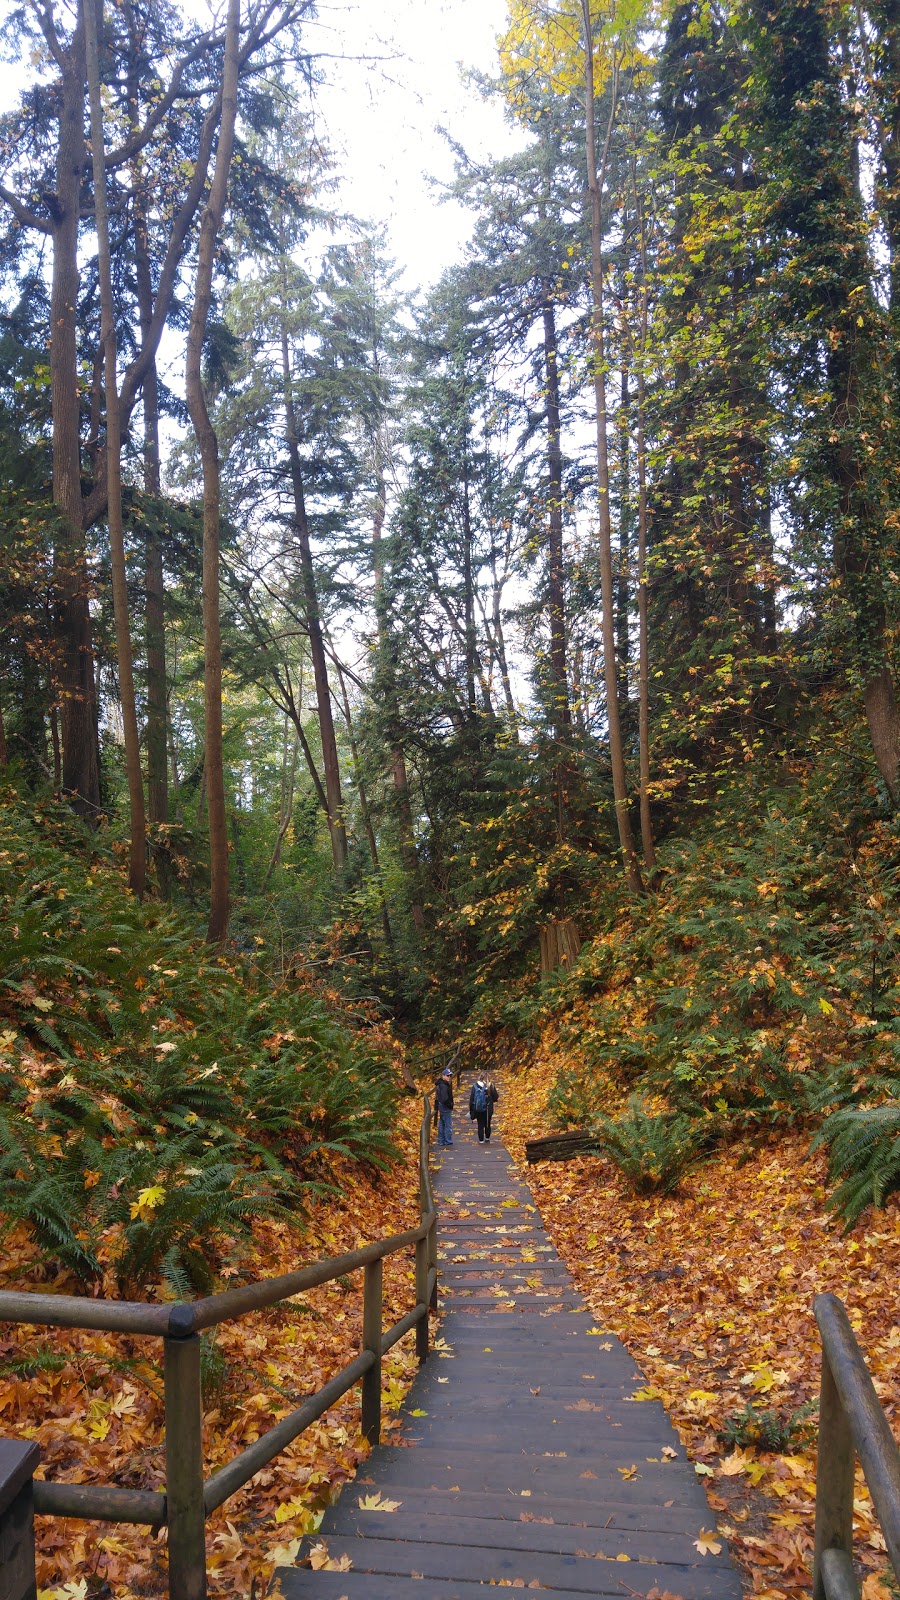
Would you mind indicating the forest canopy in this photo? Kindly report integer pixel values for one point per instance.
(518, 650)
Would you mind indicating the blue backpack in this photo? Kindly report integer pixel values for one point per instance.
(480, 1099)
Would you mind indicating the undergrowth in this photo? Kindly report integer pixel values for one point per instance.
(155, 1096)
(755, 990)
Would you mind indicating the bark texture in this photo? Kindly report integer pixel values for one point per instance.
(138, 854)
(211, 222)
(616, 753)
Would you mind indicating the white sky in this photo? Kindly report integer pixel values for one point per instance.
(382, 115)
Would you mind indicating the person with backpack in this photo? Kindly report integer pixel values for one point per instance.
(482, 1100)
(443, 1107)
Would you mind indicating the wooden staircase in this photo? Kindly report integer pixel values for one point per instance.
(524, 1461)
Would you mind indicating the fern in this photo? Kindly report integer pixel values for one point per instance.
(134, 1059)
(864, 1154)
(652, 1152)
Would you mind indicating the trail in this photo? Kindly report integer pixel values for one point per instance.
(525, 1462)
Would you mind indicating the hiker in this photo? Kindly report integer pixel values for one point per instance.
(482, 1100)
(443, 1105)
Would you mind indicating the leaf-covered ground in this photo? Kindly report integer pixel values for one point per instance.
(711, 1288)
(174, 1122)
(94, 1402)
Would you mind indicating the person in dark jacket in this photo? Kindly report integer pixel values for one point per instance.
(482, 1100)
(443, 1104)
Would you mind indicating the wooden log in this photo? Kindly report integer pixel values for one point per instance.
(562, 1146)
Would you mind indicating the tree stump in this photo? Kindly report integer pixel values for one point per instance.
(560, 944)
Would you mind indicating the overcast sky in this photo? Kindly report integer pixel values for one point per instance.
(393, 80)
(382, 114)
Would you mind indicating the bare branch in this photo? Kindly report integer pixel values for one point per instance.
(23, 214)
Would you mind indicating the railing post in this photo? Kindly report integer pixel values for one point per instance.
(432, 1263)
(427, 1203)
(184, 1470)
(18, 1459)
(834, 1478)
(422, 1296)
(371, 1338)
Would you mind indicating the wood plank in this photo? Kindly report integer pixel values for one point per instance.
(547, 1537)
(295, 1583)
(515, 1473)
(503, 1507)
(467, 1563)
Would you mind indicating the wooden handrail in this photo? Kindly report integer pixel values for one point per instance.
(852, 1424)
(188, 1501)
(184, 1317)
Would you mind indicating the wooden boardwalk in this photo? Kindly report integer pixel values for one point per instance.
(524, 1461)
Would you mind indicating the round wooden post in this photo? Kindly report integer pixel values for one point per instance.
(184, 1470)
(422, 1296)
(371, 1338)
(834, 1479)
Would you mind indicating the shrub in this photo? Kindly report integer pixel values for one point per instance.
(653, 1152)
(769, 1430)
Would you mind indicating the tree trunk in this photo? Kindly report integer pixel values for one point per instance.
(334, 798)
(560, 943)
(616, 753)
(138, 857)
(211, 222)
(405, 826)
(556, 603)
(4, 752)
(57, 751)
(623, 637)
(77, 701)
(647, 843)
(157, 694)
(366, 813)
(468, 584)
(502, 657)
(884, 728)
(288, 779)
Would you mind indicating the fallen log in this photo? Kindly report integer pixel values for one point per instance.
(562, 1146)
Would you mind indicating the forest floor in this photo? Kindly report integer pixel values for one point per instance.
(711, 1288)
(94, 1401)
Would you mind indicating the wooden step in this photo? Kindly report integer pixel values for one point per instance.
(529, 1464)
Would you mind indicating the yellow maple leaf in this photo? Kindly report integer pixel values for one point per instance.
(148, 1199)
(707, 1543)
(284, 1555)
(628, 1472)
(377, 1502)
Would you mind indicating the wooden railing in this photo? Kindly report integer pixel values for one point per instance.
(189, 1499)
(852, 1425)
